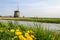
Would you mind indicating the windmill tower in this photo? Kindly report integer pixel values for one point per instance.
(16, 12)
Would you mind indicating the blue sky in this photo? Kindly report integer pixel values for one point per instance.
(31, 8)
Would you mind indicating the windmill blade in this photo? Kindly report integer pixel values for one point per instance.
(17, 6)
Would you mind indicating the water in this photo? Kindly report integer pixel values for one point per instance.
(51, 26)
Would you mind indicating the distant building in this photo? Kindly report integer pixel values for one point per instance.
(6, 16)
(16, 13)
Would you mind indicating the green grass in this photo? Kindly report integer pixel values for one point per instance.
(38, 30)
(47, 20)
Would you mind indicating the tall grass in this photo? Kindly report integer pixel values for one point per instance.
(39, 32)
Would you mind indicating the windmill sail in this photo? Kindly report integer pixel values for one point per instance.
(16, 12)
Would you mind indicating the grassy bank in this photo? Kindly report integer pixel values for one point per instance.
(10, 31)
(46, 20)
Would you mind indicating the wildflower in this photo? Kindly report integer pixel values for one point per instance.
(17, 30)
(27, 34)
(18, 33)
(31, 32)
(28, 31)
(12, 30)
(32, 36)
(21, 37)
(29, 38)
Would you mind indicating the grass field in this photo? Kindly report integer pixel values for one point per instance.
(34, 19)
(10, 31)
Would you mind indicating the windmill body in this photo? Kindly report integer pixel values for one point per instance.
(16, 13)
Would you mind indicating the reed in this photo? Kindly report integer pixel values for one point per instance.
(8, 30)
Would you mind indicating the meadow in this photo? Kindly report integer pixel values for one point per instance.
(34, 19)
(11, 31)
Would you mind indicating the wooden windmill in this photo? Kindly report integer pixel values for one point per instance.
(16, 12)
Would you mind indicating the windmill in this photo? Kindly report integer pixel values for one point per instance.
(16, 12)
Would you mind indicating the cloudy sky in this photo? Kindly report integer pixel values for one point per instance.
(29, 8)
